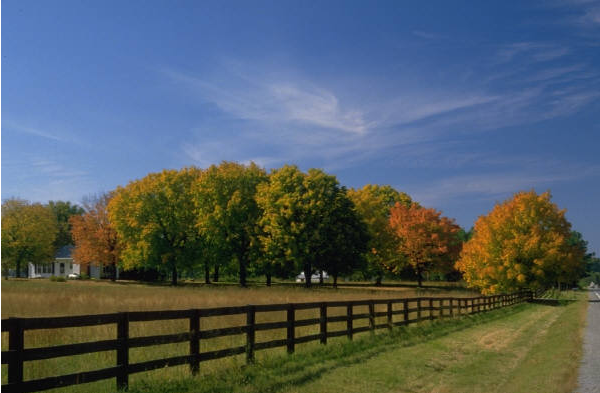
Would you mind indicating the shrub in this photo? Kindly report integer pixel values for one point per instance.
(58, 279)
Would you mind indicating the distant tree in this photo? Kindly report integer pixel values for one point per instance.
(297, 214)
(427, 240)
(346, 239)
(227, 213)
(28, 234)
(63, 211)
(96, 240)
(580, 260)
(373, 204)
(525, 241)
(156, 221)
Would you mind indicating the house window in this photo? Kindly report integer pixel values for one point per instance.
(71, 266)
(62, 268)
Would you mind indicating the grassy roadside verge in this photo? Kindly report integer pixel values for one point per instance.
(526, 348)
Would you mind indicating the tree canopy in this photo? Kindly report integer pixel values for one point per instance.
(298, 212)
(227, 212)
(346, 239)
(63, 211)
(96, 240)
(426, 239)
(373, 203)
(523, 242)
(155, 219)
(28, 234)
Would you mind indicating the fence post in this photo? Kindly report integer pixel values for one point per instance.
(389, 315)
(405, 310)
(349, 320)
(430, 308)
(451, 307)
(371, 316)
(291, 329)
(194, 341)
(418, 309)
(323, 322)
(16, 342)
(123, 351)
(250, 321)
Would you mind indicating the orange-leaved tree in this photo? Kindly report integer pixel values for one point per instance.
(96, 240)
(427, 240)
(373, 203)
(523, 242)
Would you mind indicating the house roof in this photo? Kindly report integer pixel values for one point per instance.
(64, 252)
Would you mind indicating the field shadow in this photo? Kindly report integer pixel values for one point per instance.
(280, 374)
(552, 302)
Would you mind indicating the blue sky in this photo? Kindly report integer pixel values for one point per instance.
(459, 104)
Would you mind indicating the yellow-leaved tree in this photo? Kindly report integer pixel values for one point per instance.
(28, 234)
(155, 219)
(522, 243)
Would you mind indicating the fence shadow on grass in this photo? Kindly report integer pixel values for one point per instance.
(305, 367)
(552, 302)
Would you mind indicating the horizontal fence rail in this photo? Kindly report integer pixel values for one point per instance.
(17, 354)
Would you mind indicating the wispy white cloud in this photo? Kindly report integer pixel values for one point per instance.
(530, 52)
(495, 185)
(427, 35)
(278, 102)
(279, 116)
(20, 128)
(553, 73)
(592, 15)
(40, 179)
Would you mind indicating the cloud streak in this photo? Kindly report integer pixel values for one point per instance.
(495, 185)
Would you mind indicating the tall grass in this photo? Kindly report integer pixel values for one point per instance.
(45, 298)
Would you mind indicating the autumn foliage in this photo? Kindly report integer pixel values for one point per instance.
(156, 221)
(28, 234)
(373, 203)
(522, 242)
(95, 238)
(427, 240)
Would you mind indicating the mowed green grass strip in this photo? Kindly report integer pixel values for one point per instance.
(525, 348)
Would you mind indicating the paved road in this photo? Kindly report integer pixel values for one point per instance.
(589, 373)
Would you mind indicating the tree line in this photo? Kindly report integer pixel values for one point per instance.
(241, 219)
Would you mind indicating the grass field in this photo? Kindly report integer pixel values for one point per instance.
(526, 348)
(26, 298)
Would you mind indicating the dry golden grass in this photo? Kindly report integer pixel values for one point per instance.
(37, 298)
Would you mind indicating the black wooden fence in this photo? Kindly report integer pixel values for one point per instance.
(17, 354)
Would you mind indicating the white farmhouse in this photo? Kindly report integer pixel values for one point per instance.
(61, 266)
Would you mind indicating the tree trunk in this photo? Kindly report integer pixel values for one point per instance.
(206, 273)
(113, 273)
(18, 272)
(420, 276)
(89, 270)
(174, 276)
(216, 275)
(378, 279)
(335, 280)
(242, 272)
(268, 279)
(321, 277)
(307, 275)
